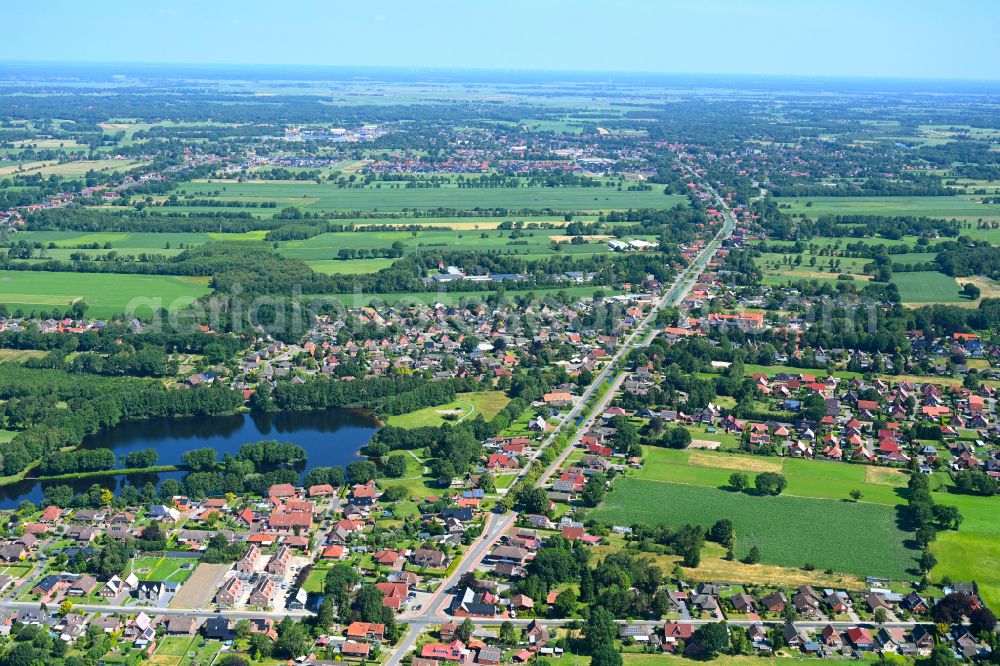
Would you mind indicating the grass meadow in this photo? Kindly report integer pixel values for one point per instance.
(927, 287)
(806, 478)
(105, 294)
(973, 552)
(941, 207)
(487, 403)
(328, 197)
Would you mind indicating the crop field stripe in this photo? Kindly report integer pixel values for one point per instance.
(860, 538)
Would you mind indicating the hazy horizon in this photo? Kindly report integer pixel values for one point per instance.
(891, 39)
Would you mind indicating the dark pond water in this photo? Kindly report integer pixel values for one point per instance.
(330, 437)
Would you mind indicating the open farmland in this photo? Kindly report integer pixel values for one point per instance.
(940, 207)
(927, 287)
(327, 197)
(528, 242)
(81, 167)
(106, 294)
(323, 250)
(806, 478)
(790, 531)
(973, 552)
(452, 297)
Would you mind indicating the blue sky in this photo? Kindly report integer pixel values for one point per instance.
(896, 38)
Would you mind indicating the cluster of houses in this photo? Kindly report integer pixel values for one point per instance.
(141, 631)
(276, 534)
(482, 646)
(829, 623)
(431, 339)
(960, 419)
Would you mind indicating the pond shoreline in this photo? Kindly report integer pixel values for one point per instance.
(330, 437)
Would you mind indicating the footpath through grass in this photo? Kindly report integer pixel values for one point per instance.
(466, 405)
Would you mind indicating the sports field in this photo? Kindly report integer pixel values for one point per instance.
(105, 294)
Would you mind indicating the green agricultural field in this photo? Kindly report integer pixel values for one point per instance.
(349, 267)
(964, 556)
(328, 197)
(973, 552)
(533, 241)
(153, 242)
(771, 370)
(487, 403)
(914, 258)
(81, 167)
(105, 294)
(860, 538)
(775, 263)
(777, 280)
(926, 287)
(815, 479)
(322, 251)
(19, 355)
(940, 207)
(452, 297)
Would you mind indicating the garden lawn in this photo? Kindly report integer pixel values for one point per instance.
(315, 580)
(860, 538)
(167, 569)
